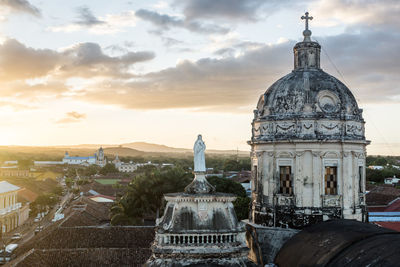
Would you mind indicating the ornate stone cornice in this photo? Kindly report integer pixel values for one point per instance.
(346, 153)
(317, 153)
(299, 153)
(308, 129)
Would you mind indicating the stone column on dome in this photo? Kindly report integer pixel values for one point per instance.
(318, 176)
(269, 175)
(265, 174)
(346, 184)
(298, 180)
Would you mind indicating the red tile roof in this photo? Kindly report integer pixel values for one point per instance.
(390, 225)
(394, 205)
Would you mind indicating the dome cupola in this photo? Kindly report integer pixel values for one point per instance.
(307, 53)
(307, 147)
(308, 103)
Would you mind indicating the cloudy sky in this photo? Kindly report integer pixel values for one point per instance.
(109, 72)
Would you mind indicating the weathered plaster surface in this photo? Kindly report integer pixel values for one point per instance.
(307, 120)
(265, 242)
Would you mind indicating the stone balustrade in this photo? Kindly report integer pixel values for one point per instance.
(197, 239)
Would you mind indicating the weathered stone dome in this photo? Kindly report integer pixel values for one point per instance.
(307, 94)
(308, 103)
(308, 151)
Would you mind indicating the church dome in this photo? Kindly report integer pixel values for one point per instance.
(306, 93)
(308, 103)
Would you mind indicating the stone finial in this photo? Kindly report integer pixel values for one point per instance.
(307, 32)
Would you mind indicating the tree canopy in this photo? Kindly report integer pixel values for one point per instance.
(237, 164)
(379, 176)
(43, 202)
(144, 195)
(225, 185)
(108, 168)
(242, 202)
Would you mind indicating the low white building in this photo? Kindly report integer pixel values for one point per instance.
(47, 163)
(167, 165)
(127, 167)
(11, 162)
(78, 160)
(392, 180)
(12, 214)
(374, 167)
(124, 167)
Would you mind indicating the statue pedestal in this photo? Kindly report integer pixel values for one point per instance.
(199, 185)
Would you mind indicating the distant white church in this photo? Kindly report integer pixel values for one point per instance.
(124, 167)
(97, 159)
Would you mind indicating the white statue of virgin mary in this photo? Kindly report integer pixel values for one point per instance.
(199, 158)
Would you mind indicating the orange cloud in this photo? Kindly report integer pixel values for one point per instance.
(72, 117)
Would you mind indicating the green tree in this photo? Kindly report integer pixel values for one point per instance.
(242, 207)
(123, 214)
(380, 161)
(144, 195)
(75, 190)
(146, 169)
(48, 199)
(108, 168)
(237, 164)
(70, 173)
(58, 190)
(225, 185)
(82, 181)
(90, 170)
(242, 202)
(378, 176)
(43, 202)
(69, 182)
(231, 165)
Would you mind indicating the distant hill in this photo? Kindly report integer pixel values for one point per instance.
(123, 151)
(148, 147)
(42, 152)
(134, 149)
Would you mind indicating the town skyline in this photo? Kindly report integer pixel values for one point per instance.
(164, 71)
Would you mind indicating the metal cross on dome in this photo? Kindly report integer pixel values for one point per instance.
(306, 17)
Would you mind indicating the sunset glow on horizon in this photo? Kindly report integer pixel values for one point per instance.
(114, 72)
